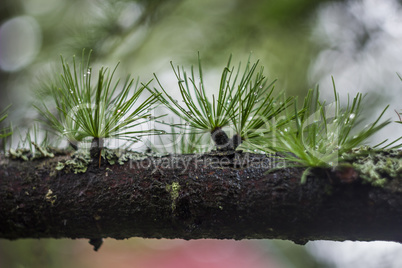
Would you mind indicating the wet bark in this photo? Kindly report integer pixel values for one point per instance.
(217, 195)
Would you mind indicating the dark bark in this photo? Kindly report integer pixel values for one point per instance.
(217, 195)
(236, 141)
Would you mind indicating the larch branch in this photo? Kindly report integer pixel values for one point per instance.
(214, 195)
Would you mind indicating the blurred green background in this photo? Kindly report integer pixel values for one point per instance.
(299, 42)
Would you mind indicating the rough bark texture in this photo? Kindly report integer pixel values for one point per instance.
(217, 195)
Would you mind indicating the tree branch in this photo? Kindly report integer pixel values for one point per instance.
(214, 195)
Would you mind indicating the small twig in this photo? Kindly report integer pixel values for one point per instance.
(399, 115)
(100, 156)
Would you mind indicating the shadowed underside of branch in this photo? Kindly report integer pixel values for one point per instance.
(223, 196)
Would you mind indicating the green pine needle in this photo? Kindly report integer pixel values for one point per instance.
(320, 133)
(256, 105)
(32, 139)
(199, 111)
(181, 141)
(7, 131)
(399, 117)
(399, 113)
(245, 103)
(100, 110)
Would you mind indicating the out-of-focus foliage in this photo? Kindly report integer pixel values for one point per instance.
(359, 42)
(146, 35)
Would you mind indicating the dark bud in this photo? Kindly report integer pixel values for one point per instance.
(220, 138)
(236, 141)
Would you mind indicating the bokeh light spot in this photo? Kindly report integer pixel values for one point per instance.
(20, 42)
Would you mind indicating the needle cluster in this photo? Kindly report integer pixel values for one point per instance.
(97, 107)
(245, 103)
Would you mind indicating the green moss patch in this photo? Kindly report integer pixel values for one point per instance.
(378, 167)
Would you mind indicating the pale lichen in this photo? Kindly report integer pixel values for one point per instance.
(27, 155)
(23, 154)
(78, 163)
(173, 190)
(378, 167)
(80, 159)
(113, 156)
(50, 197)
